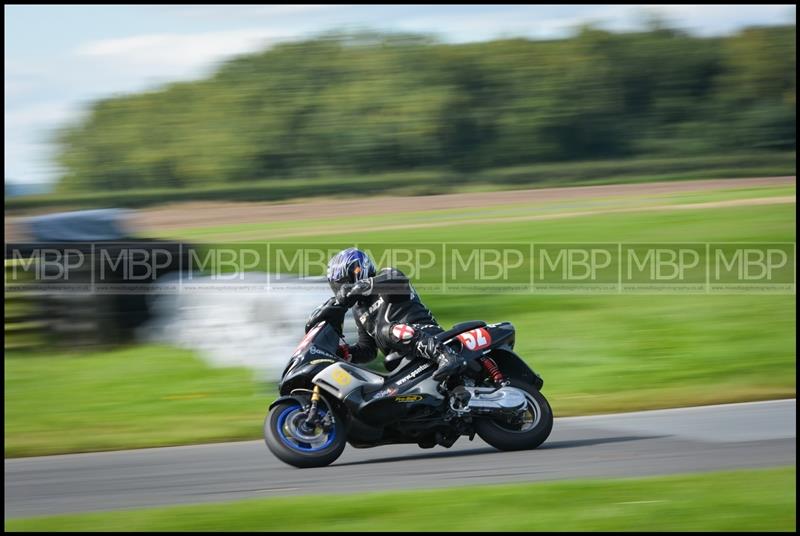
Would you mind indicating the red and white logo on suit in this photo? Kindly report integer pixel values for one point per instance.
(402, 332)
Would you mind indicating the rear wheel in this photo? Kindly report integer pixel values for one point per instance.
(532, 431)
(290, 443)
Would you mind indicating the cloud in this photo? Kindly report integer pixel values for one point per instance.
(248, 11)
(27, 146)
(23, 80)
(38, 115)
(182, 52)
(14, 88)
(28, 161)
(718, 19)
(535, 21)
(558, 21)
(293, 9)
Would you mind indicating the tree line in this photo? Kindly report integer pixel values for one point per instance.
(370, 103)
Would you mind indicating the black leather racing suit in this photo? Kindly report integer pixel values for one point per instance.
(391, 300)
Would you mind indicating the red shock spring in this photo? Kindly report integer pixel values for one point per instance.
(493, 370)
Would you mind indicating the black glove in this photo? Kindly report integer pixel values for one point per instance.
(429, 347)
(349, 293)
(330, 311)
(342, 296)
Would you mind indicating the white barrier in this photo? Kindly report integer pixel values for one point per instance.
(258, 329)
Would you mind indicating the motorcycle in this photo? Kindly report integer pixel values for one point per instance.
(327, 402)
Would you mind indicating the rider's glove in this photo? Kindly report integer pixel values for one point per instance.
(349, 293)
(343, 296)
(344, 352)
(429, 347)
(362, 288)
(318, 315)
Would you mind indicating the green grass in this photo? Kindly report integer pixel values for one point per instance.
(136, 397)
(596, 353)
(746, 500)
(729, 194)
(757, 164)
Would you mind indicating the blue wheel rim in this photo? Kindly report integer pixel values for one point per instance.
(293, 443)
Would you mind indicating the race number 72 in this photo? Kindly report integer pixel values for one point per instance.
(475, 339)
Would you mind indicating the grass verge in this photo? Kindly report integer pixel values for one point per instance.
(745, 500)
(135, 397)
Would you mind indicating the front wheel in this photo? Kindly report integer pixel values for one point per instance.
(289, 443)
(537, 422)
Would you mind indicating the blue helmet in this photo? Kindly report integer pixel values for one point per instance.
(348, 266)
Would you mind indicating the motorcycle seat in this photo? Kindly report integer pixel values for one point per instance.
(460, 328)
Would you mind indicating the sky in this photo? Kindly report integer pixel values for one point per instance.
(59, 58)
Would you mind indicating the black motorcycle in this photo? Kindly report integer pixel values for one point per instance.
(327, 402)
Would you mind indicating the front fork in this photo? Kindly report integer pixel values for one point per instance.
(312, 419)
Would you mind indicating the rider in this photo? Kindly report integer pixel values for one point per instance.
(388, 313)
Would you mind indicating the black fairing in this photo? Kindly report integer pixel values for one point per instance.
(390, 409)
(392, 401)
(316, 351)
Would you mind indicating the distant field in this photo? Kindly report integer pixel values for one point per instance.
(757, 164)
(260, 221)
(746, 500)
(596, 353)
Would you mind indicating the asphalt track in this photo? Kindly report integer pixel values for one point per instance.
(759, 434)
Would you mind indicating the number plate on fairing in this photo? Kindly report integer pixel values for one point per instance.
(475, 339)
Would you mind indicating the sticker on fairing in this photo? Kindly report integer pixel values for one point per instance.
(341, 376)
(475, 339)
(408, 398)
(307, 339)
